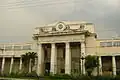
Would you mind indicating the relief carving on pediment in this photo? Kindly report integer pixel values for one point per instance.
(61, 28)
(82, 26)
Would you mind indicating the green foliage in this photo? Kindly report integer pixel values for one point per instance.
(33, 75)
(103, 78)
(90, 63)
(29, 56)
(25, 59)
(20, 75)
(81, 78)
(117, 77)
(60, 76)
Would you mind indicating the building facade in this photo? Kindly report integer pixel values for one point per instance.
(59, 48)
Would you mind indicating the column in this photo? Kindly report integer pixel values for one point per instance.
(20, 66)
(53, 66)
(67, 58)
(83, 55)
(114, 65)
(30, 66)
(3, 63)
(34, 46)
(40, 66)
(11, 65)
(100, 65)
(35, 68)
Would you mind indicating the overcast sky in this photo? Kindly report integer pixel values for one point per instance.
(18, 18)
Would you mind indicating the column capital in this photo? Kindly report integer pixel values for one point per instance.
(39, 43)
(82, 41)
(67, 45)
(53, 43)
(113, 55)
(67, 42)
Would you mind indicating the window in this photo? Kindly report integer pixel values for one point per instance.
(106, 44)
(102, 44)
(1, 46)
(17, 47)
(116, 44)
(8, 47)
(27, 47)
(109, 44)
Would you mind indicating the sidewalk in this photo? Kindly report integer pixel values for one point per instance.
(14, 79)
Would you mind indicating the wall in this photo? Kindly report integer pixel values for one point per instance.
(90, 45)
(106, 51)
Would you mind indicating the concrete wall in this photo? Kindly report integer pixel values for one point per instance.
(90, 45)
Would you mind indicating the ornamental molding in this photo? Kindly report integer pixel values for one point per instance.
(60, 26)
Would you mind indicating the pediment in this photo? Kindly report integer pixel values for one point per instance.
(63, 27)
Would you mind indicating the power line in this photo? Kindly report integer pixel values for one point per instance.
(35, 4)
(21, 1)
(24, 2)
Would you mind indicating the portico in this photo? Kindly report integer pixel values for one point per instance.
(62, 57)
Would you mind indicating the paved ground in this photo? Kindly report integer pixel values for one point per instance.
(14, 79)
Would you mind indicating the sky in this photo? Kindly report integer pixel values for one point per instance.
(18, 18)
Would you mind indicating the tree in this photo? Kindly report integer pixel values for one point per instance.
(29, 60)
(32, 56)
(91, 62)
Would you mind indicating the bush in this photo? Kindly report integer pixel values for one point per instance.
(59, 76)
(20, 75)
(117, 77)
(103, 78)
(32, 74)
(82, 78)
(26, 74)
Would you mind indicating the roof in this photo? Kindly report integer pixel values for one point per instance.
(66, 22)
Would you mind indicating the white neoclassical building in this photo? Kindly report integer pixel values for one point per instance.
(59, 47)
